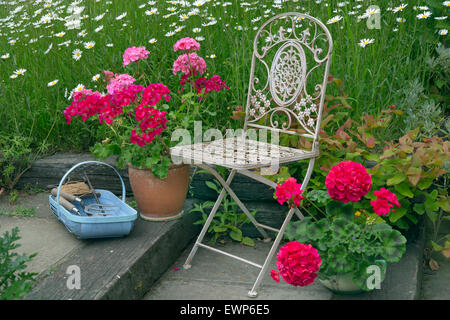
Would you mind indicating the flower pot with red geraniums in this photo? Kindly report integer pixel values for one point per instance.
(141, 119)
(353, 243)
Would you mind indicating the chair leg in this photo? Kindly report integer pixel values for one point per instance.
(238, 202)
(253, 293)
(216, 206)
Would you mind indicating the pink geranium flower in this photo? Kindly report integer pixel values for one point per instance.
(134, 54)
(186, 44)
(297, 263)
(189, 64)
(118, 82)
(348, 181)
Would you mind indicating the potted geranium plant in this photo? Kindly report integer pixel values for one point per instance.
(353, 243)
(141, 120)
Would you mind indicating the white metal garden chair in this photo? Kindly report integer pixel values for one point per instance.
(291, 58)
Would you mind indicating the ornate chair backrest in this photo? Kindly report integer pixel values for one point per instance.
(288, 76)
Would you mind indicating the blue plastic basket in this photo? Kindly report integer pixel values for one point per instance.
(118, 223)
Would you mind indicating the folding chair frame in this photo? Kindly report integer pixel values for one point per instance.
(284, 102)
(260, 227)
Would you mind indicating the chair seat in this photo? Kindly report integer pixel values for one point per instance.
(239, 153)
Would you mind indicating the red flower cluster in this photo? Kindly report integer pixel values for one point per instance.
(297, 264)
(290, 191)
(85, 104)
(385, 201)
(151, 121)
(348, 181)
(215, 83)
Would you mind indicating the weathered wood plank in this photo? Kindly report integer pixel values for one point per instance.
(47, 172)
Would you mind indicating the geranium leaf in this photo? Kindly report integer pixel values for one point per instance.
(394, 245)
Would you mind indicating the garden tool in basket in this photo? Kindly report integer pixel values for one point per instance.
(65, 198)
(97, 208)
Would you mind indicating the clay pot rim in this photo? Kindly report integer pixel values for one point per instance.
(171, 167)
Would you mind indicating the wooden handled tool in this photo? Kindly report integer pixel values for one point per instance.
(67, 196)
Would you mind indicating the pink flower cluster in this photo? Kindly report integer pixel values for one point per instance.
(118, 82)
(290, 191)
(186, 44)
(348, 181)
(189, 64)
(134, 54)
(297, 263)
(385, 201)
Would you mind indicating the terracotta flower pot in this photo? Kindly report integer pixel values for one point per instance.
(160, 199)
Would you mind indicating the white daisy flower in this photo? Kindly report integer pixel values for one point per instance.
(399, 8)
(196, 30)
(89, 45)
(213, 56)
(364, 42)
(120, 17)
(334, 19)
(109, 45)
(200, 38)
(424, 15)
(13, 76)
(152, 41)
(443, 32)
(60, 34)
(80, 87)
(96, 77)
(169, 34)
(76, 54)
(52, 83)
(5, 56)
(99, 17)
(152, 11)
(446, 3)
(20, 72)
(98, 28)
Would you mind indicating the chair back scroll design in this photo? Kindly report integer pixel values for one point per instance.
(282, 90)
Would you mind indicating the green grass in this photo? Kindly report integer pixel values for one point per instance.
(19, 211)
(28, 107)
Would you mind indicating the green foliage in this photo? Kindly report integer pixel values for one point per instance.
(227, 222)
(349, 245)
(15, 158)
(19, 211)
(14, 281)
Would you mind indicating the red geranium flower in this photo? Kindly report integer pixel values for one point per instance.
(290, 191)
(348, 181)
(385, 201)
(297, 263)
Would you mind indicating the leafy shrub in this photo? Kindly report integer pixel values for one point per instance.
(227, 222)
(14, 282)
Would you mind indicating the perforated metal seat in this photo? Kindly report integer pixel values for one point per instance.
(239, 153)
